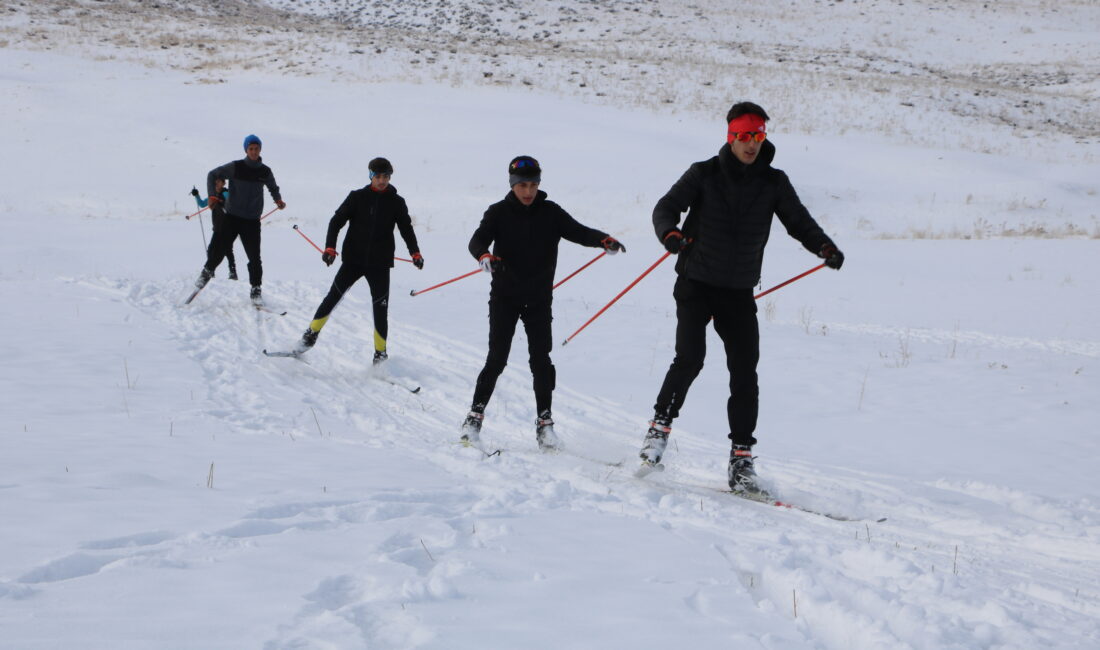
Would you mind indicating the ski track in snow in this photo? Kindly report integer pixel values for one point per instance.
(913, 581)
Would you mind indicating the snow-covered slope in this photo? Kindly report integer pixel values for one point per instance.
(164, 485)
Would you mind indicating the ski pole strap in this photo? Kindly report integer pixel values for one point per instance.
(566, 278)
(299, 231)
(783, 284)
(465, 275)
(621, 294)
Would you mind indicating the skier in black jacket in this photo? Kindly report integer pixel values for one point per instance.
(730, 200)
(524, 230)
(371, 212)
(217, 220)
(247, 178)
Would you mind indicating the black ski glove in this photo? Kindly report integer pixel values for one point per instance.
(329, 256)
(834, 259)
(674, 241)
(418, 260)
(194, 191)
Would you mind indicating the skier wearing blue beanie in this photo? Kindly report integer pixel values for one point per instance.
(243, 208)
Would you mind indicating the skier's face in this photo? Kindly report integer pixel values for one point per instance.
(526, 191)
(253, 151)
(746, 152)
(380, 182)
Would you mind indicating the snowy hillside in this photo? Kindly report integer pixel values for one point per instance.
(165, 485)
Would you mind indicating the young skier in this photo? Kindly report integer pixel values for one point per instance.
(524, 230)
(217, 220)
(372, 213)
(731, 198)
(243, 209)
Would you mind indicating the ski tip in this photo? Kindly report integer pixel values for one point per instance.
(414, 390)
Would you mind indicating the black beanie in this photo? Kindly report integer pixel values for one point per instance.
(524, 169)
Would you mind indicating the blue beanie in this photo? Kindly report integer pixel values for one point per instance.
(252, 139)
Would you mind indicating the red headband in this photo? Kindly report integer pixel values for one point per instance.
(749, 122)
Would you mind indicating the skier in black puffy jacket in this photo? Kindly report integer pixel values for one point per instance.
(524, 230)
(371, 213)
(730, 200)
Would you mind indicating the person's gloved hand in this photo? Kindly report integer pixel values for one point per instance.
(418, 260)
(674, 241)
(834, 259)
(612, 245)
(490, 263)
(329, 256)
(213, 201)
(194, 191)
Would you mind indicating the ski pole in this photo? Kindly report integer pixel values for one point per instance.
(564, 280)
(783, 284)
(203, 229)
(299, 231)
(621, 294)
(402, 259)
(188, 217)
(268, 214)
(466, 275)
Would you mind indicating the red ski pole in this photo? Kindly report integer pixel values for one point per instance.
(566, 278)
(297, 230)
(402, 259)
(193, 214)
(783, 284)
(466, 275)
(268, 214)
(621, 294)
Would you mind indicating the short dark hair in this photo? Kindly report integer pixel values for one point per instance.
(745, 108)
(380, 166)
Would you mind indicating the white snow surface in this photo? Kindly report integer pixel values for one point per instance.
(165, 485)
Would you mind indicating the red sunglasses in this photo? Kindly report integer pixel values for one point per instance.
(745, 136)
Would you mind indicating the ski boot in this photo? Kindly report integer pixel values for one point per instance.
(544, 432)
(656, 439)
(742, 476)
(232, 273)
(204, 277)
(380, 356)
(309, 338)
(256, 296)
(471, 428)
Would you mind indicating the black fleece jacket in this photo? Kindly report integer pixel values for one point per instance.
(526, 239)
(730, 207)
(372, 216)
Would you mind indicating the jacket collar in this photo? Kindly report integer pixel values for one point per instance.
(737, 169)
